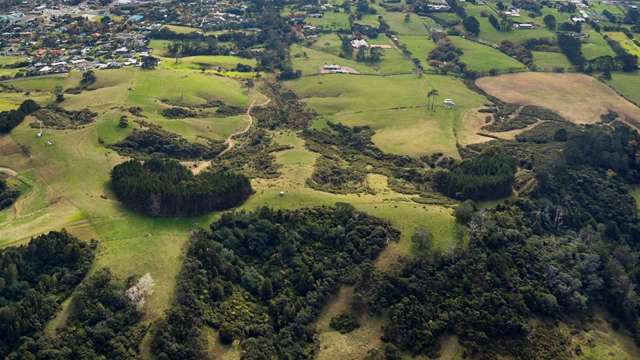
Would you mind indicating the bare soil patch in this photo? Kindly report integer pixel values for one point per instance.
(577, 97)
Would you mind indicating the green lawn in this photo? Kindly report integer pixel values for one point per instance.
(549, 61)
(483, 58)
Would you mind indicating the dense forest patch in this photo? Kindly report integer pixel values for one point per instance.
(166, 188)
(569, 246)
(487, 176)
(12, 118)
(160, 143)
(8, 194)
(102, 323)
(34, 280)
(263, 277)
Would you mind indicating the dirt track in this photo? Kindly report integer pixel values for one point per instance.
(198, 167)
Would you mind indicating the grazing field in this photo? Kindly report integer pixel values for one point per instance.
(625, 42)
(395, 106)
(309, 61)
(66, 182)
(490, 34)
(420, 46)
(595, 46)
(403, 213)
(181, 29)
(549, 61)
(417, 25)
(330, 21)
(628, 84)
(483, 58)
(577, 97)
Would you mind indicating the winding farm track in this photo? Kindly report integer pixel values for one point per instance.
(231, 142)
(8, 171)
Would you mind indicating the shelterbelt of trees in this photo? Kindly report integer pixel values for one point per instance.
(34, 280)
(263, 277)
(571, 245)
(163, 187)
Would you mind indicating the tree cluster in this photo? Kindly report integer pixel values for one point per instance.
(8, 194)
(12, 118)
(102, 324)
(490, 175)
(34, 280)
(263, 277)
(160, 143)
(166, 188)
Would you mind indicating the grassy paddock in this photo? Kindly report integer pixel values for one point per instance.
(483, 58)
(577, 97)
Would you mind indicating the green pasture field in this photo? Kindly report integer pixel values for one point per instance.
(483, 58)
(420, 47)
(159, 47)
(310, 61)
(329, 43)
(395, 106)
(595, 46)
(549, 61)
(417, 25)
(67, 181)
(393, 62)
(625, 42)
(490, 34)
(628, 84)
(8, 60)
(182, 29)
(330, 21)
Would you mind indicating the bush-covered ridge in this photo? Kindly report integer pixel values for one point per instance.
(166, 188)
(35, 279)
(262, 278)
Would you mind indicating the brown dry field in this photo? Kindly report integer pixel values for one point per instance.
(577, 97)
